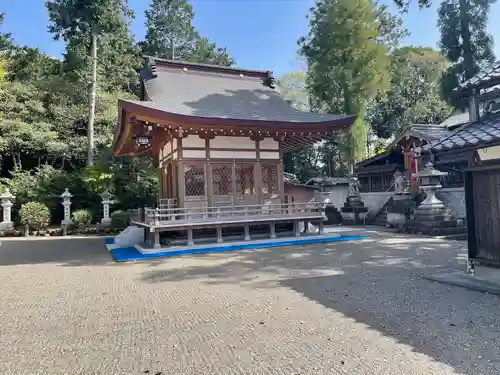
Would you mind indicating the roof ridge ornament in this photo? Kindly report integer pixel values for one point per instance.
(271, 81)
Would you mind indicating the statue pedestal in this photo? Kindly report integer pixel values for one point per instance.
(354, 211)
(399, 211)
(433, 218)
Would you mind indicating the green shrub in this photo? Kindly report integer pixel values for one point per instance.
(35, 215)
(120, 219)
(82, 219)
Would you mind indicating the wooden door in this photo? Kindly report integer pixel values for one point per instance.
(486, 193)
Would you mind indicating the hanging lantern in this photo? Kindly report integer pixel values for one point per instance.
(142, 140)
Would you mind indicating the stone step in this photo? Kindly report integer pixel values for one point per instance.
(443, 231)
(454, 237)
(436, 224)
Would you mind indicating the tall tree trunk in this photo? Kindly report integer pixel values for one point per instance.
(466, 39)
(92, 95)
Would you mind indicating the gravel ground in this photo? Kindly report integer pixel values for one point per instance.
(344, 308)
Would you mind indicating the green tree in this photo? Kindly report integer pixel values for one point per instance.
(170, 33)
(293, 88)
(404, 4)
(5, 38)
(29, 65)
(208, 53)
(348, 65)
(464, 41)
(85, 23)
(414, 96)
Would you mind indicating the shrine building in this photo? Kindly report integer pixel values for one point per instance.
(217, 133)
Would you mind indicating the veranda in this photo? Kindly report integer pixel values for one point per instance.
(218, 135)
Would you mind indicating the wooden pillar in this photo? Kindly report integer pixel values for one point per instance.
(181, 180)
(281, 177)
(272, 227)
(258, 174)
(247, 231)
(156, 239)
(190, 237)
(321, 227)
(219, 234)
(233, 182)
(209, 176)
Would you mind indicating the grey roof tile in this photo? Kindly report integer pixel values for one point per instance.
(489, 73)
(220, 93)
(475, 134)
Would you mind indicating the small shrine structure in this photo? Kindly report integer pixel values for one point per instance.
(477, 146)
(403, 154)
(218, 134)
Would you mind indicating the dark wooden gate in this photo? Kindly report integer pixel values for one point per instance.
(486, 203)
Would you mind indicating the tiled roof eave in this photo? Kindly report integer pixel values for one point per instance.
(339, 123)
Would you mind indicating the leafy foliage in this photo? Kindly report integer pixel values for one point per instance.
(82, 219)
(414, 96)
(348, 63)
(170, 34)
(464, 41)
(5, 38)
(35, 215)
(120, 219)
(403, 4)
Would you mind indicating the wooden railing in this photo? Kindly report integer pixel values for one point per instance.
(158, 215)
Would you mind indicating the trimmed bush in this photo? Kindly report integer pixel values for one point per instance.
(120, 219)
(35, 215)
(82, 219)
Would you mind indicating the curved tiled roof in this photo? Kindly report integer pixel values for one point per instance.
(475, 134)
(488, 76)
(219, 92)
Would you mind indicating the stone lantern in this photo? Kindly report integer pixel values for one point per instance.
(430, 183)
(107, 200)
(66, 202)
(399, 210)
(432, 217)
(7, 204)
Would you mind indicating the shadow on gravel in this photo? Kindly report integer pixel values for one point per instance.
(307, 260)
(376, 282)
(70, 252)
(453, 325)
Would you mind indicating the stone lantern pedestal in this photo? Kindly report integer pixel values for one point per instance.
(106, 202)
(66, 202)
(399, 210)
(432, 217)
(6, 199)
(354, 210)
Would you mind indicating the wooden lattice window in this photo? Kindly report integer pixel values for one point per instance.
(222, 179)
(194, 176)
(269, 179)
(245, 184)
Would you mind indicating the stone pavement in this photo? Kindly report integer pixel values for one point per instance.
(342, 308)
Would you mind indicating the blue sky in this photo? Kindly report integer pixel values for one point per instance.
(260, 34)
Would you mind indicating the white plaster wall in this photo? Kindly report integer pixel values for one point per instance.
(269, 144)
(215, 154)
(232, 142)
(194, 154)
(269, 155)
(337, 195)
(193, 141)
